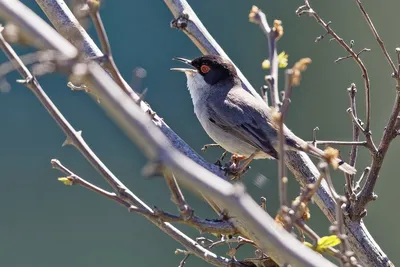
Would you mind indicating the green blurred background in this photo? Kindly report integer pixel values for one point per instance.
(44, 223)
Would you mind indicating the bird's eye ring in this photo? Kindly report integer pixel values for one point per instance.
(205, 68)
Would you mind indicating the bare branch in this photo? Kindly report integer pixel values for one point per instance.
(109, 64)
(378, 38)
(306, 9)
(340, 143)
(177, 196)
(258, 17)
(356, 130)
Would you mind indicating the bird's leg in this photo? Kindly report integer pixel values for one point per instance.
(235, 168)
(219, 161)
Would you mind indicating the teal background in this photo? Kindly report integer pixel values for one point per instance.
(44, 223)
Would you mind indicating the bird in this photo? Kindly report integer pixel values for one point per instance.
(234, 118)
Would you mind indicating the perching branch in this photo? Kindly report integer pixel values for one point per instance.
(248, 214)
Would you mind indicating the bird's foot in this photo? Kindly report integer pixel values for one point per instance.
(234, 169)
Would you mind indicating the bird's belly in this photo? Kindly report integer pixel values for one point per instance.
(230, 142)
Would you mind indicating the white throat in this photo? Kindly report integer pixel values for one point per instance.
(198, 87)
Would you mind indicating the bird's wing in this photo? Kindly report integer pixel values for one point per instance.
(242, 115)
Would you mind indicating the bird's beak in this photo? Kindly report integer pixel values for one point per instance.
(185, 70)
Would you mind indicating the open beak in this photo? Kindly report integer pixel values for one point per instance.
(186, 61)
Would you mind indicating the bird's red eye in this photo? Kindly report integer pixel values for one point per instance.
(204, 68)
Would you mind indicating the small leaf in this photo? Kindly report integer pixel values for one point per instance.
(283, 60)
(66, 180)
(326, 242)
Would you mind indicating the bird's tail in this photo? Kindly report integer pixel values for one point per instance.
(330, 155)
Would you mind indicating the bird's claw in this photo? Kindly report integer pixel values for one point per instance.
(234, 170)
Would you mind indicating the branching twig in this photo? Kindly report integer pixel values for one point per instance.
(109, 63)
(306, 9)
(75, 179)
(367, 192)
(258, 17)
(177, 197)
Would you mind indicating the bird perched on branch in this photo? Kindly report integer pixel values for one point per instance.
(239, 122)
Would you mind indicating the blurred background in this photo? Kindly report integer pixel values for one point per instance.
(45, 223)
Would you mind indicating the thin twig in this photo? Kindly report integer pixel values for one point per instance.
(177, 196)
(258, 17)
(352, 90)
(109, 63)
(75, 179)
(338, 226)
(282, 176)
(365, 173)
(378, 38)
(340, 143)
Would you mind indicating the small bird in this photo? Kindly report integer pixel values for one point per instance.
(239, 122)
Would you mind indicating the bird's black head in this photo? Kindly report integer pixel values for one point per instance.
(213, 68)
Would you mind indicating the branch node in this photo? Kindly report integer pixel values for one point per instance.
(180, 22)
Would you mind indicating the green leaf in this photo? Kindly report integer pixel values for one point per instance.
(326, 242)
(66, 180)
